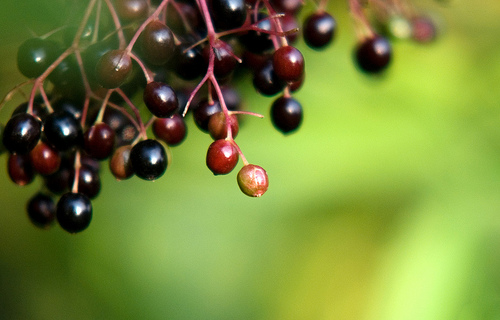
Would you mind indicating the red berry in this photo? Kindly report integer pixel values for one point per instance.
(222, 157)
(45, 159)
(288, 63)
(99, 141)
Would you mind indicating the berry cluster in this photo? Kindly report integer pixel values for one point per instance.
(178, 56)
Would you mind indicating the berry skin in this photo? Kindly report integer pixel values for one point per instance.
(89, 182)
(44, 159)
(203, 112)
(74, 212)
(157, 43)
(148, 159)
(99, 141)
(113, 69)
(120, 164)
(373, 55)
(266, 82)
(20, 170)
(130, 10)
(160, 99)
(286, 114)
(228, 14)
(41, 210)
(319, 30)
(21, 134)
(35, 55)
(288, 63)
(253, 180)
(217, 126)
(62, 130)
(171, 130)
(222, 157)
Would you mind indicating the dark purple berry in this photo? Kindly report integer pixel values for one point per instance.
(63, 131)
(373, 55)
(99, 141)
(228, 14)
(41, 210)
(74, 212)
(203, 112)
(157, 43)
(89, 182)
(267, 82)
(288, 63)
(22, 132)
(160, 99)
(35, 55)
(20, 170)
(319, 30)
(148, 159)
(286, 114)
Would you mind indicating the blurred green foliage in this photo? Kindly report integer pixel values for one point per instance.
(385, 205)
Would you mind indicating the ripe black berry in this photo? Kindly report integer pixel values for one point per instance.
(157, 43)
(267, 82)
(74, 212)
(20, 169)
(286, 114)
(41, 210)
(228, 14)
(62, 130)
(319, 30)
(203, 112)
(21, 133)
(148, 159)
(160, 99)
(373, 55)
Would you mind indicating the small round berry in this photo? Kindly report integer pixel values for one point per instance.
(39, 111)
(120, 164)
(89, 182)
(62, 130)
(217, 126)
(224, 61)
(160, 99)
(74, 212)
(203, 112)
(286, 114)
(222, 157)
(113, 69)
(35, 55)
(20, 169)
(288, 63)
(171, 130)
(189, 62)
(253, 180)
(41, 210)
(157, 43)
(423, 29)
(45, 159)
(373, 55)
(149, 159)
(99, 141)
(228, 14)
(21, 134)
(132, 9)
(267, 82)
(319, 30)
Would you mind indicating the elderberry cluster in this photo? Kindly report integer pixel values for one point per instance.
(117, 86)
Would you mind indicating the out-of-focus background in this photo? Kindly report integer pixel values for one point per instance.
(384, 206)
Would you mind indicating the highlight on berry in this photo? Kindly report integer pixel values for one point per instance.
(180, 57)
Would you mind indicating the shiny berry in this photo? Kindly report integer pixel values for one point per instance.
(203, 112)
(157, 43)
(22, 132)
(286, 114)
(172, 130)
(253, 180)
(319, 30)
(74, 212)
(373, 55)
(99, 141)
(228, 14)
(217, 126)
(132, 9)
(113, 69)
(35, 55)
(62, 130)
(148, 159)
(89, 182)
(45, 159)
(288, 63)
(222, 157)
(160, 99)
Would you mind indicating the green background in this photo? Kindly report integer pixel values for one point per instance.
(385, 205)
